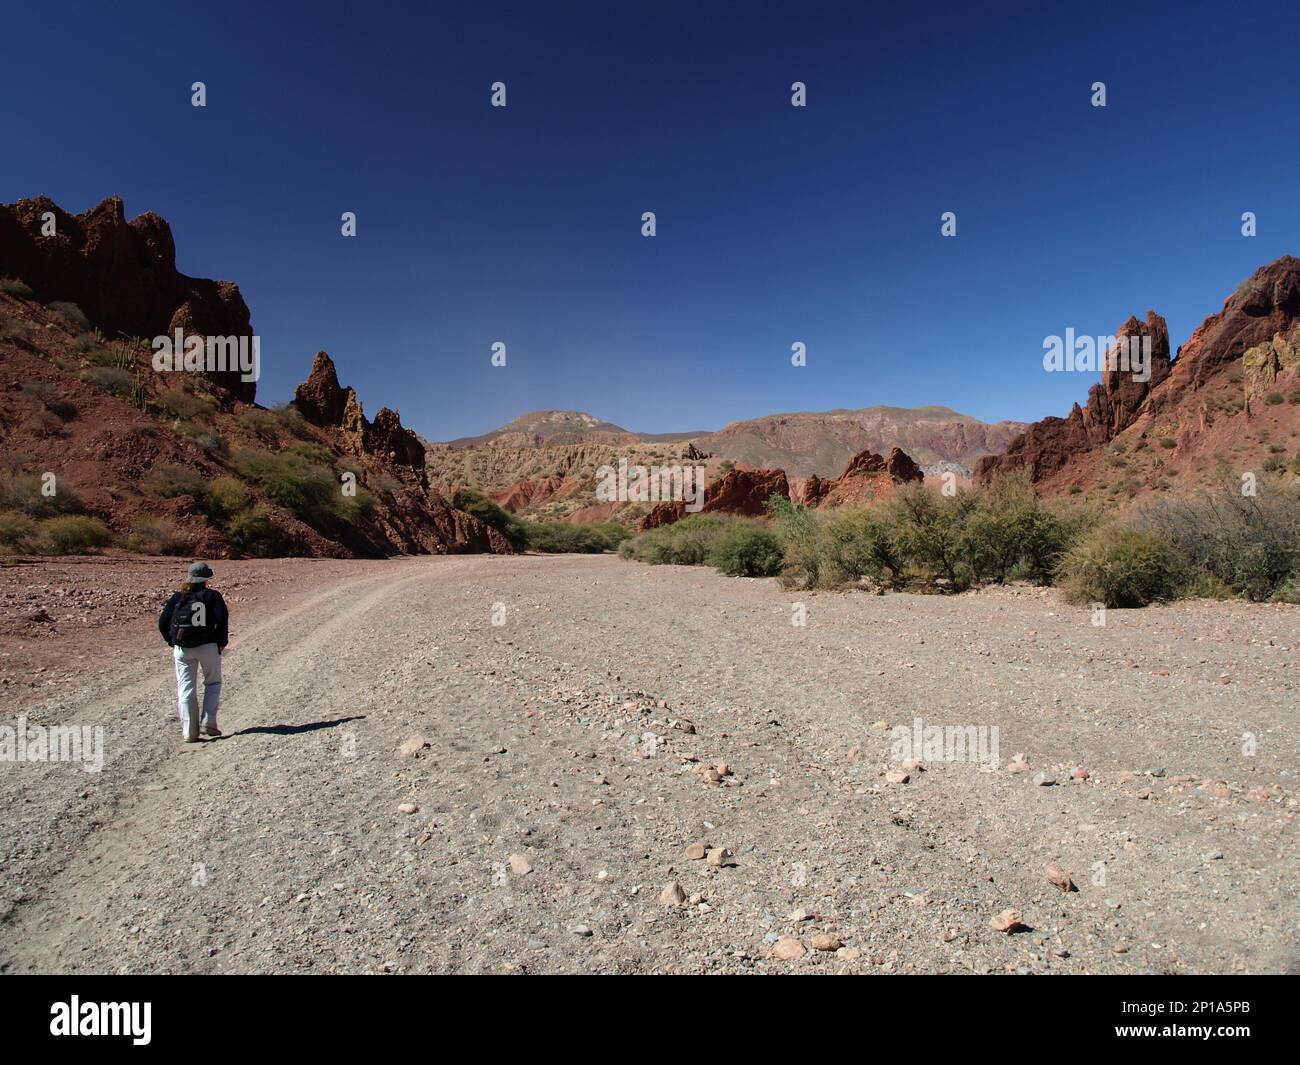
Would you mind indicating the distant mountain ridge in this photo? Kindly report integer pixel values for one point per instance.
(802, 443)
(550, 428)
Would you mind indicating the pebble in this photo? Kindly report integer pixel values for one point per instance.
(672, 895)
(408, 808)
(1044, 779)
(696, 851)
(788, 948)
(1008, 921)
(1059, 877)
(412, 746)
(519, 865)
(719, 857)
(824, 941)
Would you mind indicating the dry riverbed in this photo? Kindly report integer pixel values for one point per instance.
(405, 786)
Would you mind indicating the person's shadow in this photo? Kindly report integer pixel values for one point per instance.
(291, 730)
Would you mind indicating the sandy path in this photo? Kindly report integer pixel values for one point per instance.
(282, 848)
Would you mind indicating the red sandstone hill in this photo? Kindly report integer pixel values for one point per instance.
(182, 462)
(1227, 404)
(745, 491)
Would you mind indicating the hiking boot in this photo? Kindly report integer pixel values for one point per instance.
(210, 730)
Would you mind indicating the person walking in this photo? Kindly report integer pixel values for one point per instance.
(196, 625)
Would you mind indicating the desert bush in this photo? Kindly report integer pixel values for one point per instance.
(17, 531)
(110, 379)
(1009, 532)
(857, 542)
(251, 533)
(684, 543)
(187, 406)
(74, 534)
(48, 396)
(226, 497)
(479, 506)
(170, 481)
(71, 314)
(562, 537)
(746, 549)
(929, 532)
(299, 483)
(261, 423)
(13, 286)
(290, 480)
(290, 419)
(1122, 566)
(799, 532)
(26, 492)
(1249, 543)
(209, 440)
(153, 535)
(16, 330)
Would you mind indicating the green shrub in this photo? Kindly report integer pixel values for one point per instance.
(298, 483)
(262, 423)
(929, 533)
(16, 330)
(17, 531)
(74, 534)
(290, 419)
(746, 549)
(799, 533)
(13, 286)
(857, 542)
(251, 533)
(110, 379)
(562, 537)
(1275, 398)
(684, 543)
(171, 481)
(488, 512)
(187, 406)
(1122, 567)
(226, 497)
(151, 535)
(210, 441)
(27, 493)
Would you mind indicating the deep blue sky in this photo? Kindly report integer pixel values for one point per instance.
(776, 224)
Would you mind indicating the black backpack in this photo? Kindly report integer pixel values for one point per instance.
(191, 621)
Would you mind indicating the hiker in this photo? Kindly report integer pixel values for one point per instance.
(195, 623)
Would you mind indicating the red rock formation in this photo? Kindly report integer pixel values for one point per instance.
(413, 517)
(1112, 407)
(322, 401)
(121, 274)
(899, 466)
(738, 491)
(867, 476)
(1252, 328)
(320, 398)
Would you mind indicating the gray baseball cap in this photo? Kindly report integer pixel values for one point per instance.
(199, 571)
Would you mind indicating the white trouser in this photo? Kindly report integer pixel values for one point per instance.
(188, 662)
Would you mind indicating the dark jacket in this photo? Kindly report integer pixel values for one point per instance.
(218, 615)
